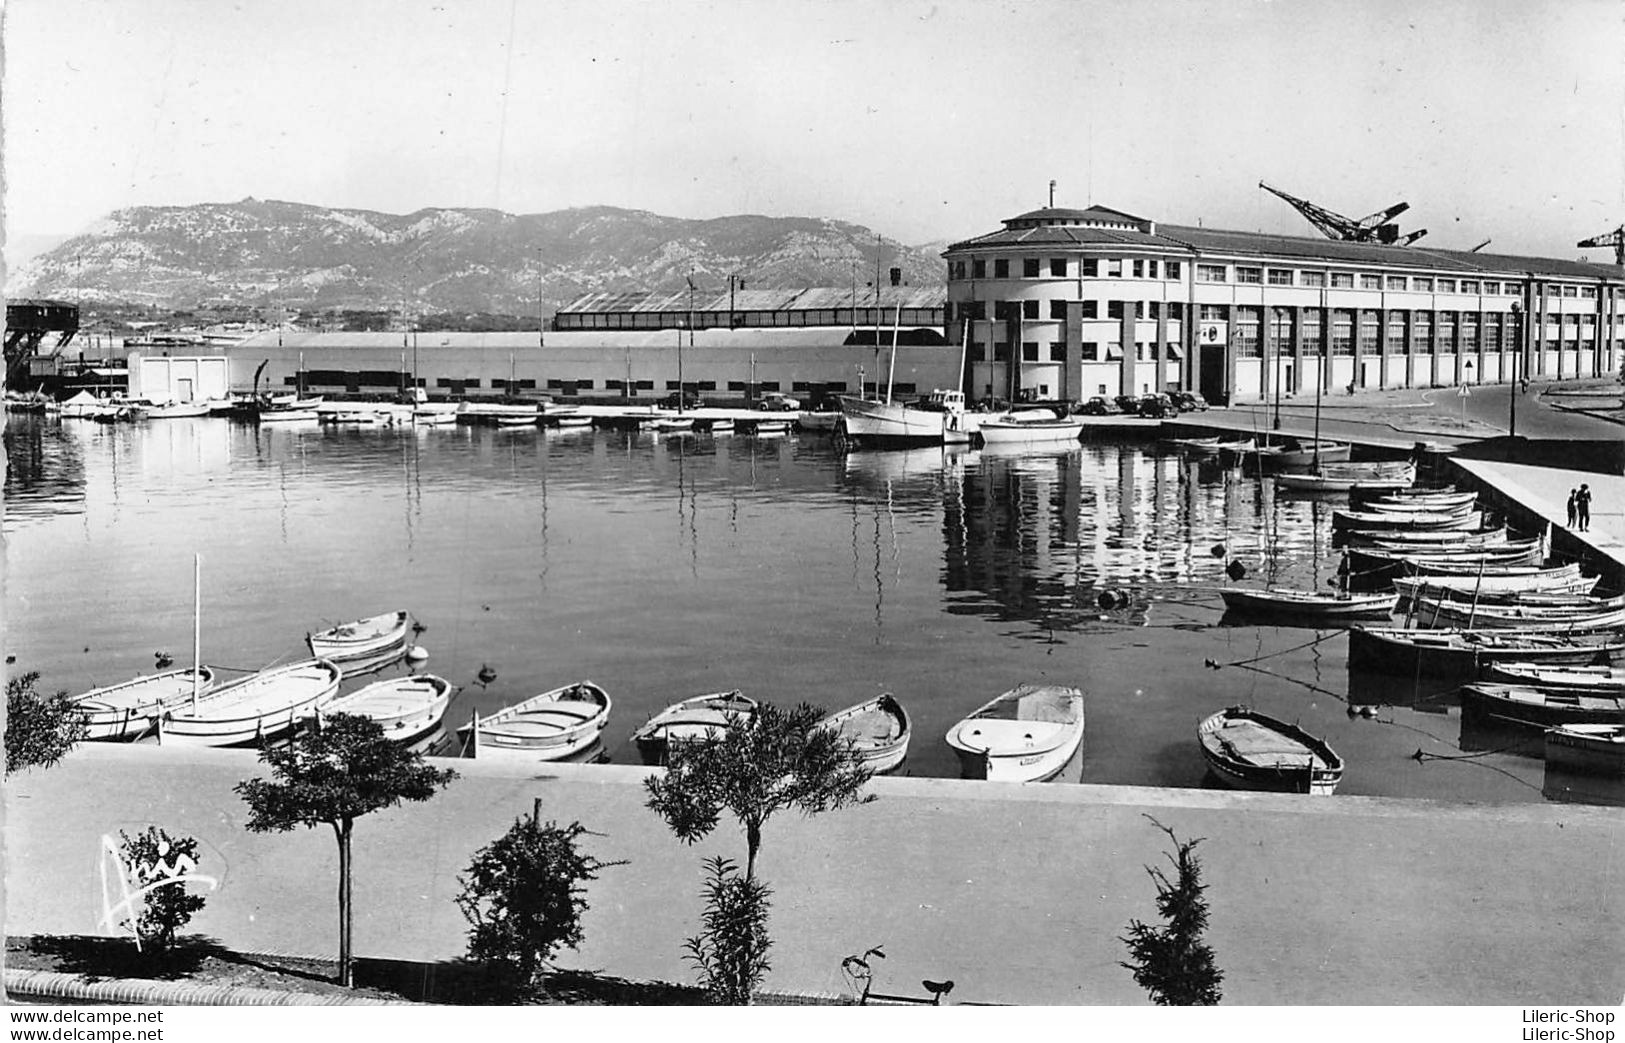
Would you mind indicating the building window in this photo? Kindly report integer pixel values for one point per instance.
(1422, 333)
(978, 269)
(1139, 268)
(1492, 287)
(1422, 283)
(1313, 278)
(1342, 280)
(1089, 350)
(1114, 309)
(1057, 266)
(1102, 388)
(1114, 268)
(1246, 334)
(1210, 273)
(1588, 292)
(1029, 351)
(1469, 286)
(1029, 309)
(1369, 281)
(1368, 333)
(1057, 351)
(1091, 309)
(1151, 268)
(1156, 309)
(1250, 276)
(1212, 313)
(1342, 332)
(1001, 309)
(1280, 277)
(1571, 291)
(1057, 309)
(1090, 266)
(1176, 310)
(1173, 269)
(1001, 268)
(1029, 267)
(1001, 351)
(1393, 282)
(1447, 286)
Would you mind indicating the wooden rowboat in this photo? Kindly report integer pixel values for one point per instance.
(879, 730)
(1311, 606)
(252, 710)
(363, 645)
(1252, 750)
(1465, 653)
(1592, 749)
(1601, 679)
(692, 720)
(125, 710)
(1028, 734)
(546, 727)
(1538, 707)
(406, 707)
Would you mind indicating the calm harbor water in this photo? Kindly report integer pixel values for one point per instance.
(664, 567)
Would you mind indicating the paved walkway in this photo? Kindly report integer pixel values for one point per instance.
(1545, 491)
(1016, 893)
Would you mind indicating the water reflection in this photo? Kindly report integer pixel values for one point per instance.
(45, 470)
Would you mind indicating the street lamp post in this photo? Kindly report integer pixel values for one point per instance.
(1512, 385)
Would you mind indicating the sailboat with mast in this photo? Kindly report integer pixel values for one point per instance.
(679, 423)
(937, 419)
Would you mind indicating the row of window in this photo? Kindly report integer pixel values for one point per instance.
(1149, 268)
(977, 310)
(752, 319)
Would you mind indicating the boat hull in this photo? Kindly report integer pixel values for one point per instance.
(122, 712)
(260, 707)
(1028, 734)
(880, 423)
(552, 726)
(407, 708)
(365, 644)
(1251, 750)
(1002, 431)
(1308, 606)
(1464, 654)
(1519, 706)
(691, 720)
(880, 731)
(1587, 749)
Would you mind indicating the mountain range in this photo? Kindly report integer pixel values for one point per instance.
(267, 253)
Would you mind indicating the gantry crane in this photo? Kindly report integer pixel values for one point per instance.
(1374, 228)
(1616, 239)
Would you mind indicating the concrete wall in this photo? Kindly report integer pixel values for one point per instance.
(164, 379)
(1016, 893)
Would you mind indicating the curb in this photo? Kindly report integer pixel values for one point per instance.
(54, 985)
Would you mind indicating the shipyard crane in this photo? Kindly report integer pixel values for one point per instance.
(1373, 228)
(1616, 239)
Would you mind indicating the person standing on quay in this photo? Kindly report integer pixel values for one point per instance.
(1582, 507)
(1574, 499)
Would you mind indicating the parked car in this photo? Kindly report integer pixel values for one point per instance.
(1188, 401)
(1157, 405)
(1096, 406)
(690, 401)
(777, 402)
(1127, 404)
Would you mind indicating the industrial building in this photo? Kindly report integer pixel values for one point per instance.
(1065, 304)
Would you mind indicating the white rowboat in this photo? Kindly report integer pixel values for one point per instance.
(548, 727)
(1028, 734)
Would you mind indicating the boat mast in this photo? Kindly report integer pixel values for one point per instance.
(1320, 375)
(197, 621)
(892, 374)
(964, 349)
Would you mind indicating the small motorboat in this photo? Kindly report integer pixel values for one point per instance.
(1029, 427)
(1590, 749)
(692, 720)
(1209, 444)
(258, 707)
(772, 427)
(1604, 680)
(406, 707)
(1510, 704)
(365, 644)
(567, 420)
(721, 425)
(177, 410)
(670, 425)
(288, 416)
(1028, 734)
(818, 419)
(125, 710)
(1252, 750)
(1310, 606)
(551, 726)
(425, 417)
(879, 730)
(517, 420)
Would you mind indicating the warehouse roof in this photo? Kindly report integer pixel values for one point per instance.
(753, 336)
(773, 299)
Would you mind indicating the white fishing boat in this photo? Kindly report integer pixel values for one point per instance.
(364, 644)
(720, 426)
(871, 422)
(1592, 749)
(1376, 521)
(406, 707)
(427, 417)
(517, 420)
(879, 730)
(692, 720)
(1029, 427)
(549, 727)
(567, 420)
(1309, 605)
(670, 425)
(772, 427)
(126, 710)
(1028, 734)
(1492, 577)
(288, 416)
(1439, 612)
(818, 419)
(1359, 476)
(1252, 750)
(258, 707)
(176, 410)
(1304, 453)
(1600, 679)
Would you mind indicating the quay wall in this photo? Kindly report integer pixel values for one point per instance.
(1018, 894)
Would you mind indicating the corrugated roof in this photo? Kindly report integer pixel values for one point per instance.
(765, 337)
(774, 299)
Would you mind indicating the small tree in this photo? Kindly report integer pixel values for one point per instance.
(335, 774)
(774, 759)
(159, 865)
(731, 948)
(1172, 962)
(39, 731)
(523, 898)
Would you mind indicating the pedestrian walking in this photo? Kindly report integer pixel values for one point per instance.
(1582, 507)
(1574, 497)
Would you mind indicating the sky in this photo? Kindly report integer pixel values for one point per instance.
(1494, 119)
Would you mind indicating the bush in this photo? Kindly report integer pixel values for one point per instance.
(39, 731)
(523, 899)
(731, 948)
(156, 858)
(1171, 962)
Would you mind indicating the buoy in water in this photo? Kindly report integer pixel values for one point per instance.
(1217, 550)
(1235, 570)
(417, 654)
(486, 674)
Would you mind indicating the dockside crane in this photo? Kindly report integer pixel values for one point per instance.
(1373, 228)
(1616, 239)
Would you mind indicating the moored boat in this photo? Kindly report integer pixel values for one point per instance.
(1554, 619)
(364, 644)
(406, 707)
(1203, 444)
(1303, 454)
(1465, 653)
(1538, 707)
(1310, 605)
(125, 710)
(549, 727)
(772, 427)
(258, 707)
(1252, 750)
(879, 729)
(1369, 521)
(1601, 679)
(1591, 749)
(691, 720)
(176, 410)
(871, 422)
(1028, 734)
(1029, 427)
(818, 419)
